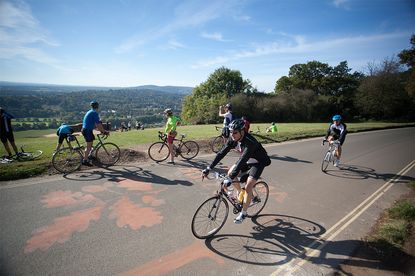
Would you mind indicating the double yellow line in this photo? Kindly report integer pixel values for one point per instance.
(293, 266)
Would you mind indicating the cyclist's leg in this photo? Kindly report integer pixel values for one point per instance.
(89, 139)
(254, 173)
(170, 140)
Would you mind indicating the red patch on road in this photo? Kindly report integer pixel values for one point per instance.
(94, 189)
(133, 215)
(163, 265)
(62, 229)
(152, 200)
(278, 196)
(65, 198)
(132, 185)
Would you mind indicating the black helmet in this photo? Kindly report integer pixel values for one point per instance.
(228, 105)
(94, 104)
(237, 124)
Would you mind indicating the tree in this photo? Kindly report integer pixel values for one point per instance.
(201, 106)
(407, 57)
(382, 95)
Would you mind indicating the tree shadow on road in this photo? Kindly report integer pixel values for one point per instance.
(351, 171)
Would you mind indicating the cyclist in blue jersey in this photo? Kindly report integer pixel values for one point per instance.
(63, 131)
(90, 122)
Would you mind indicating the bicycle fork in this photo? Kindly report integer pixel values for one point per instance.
(215, 208)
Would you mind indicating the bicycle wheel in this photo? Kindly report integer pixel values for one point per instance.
(260, 197)
(216, 144)
(326, 161)
(189, 150)
(210, 217)
(67, 160)
(28, 156)
(159, 151)
(108, 154)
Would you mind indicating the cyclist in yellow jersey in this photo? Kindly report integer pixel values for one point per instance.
(170, 131)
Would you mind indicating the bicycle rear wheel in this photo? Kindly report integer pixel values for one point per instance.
(28, 156)
(326, 161)
(67, 160)
(210, 217)
(217, 144)
(189, 150)
(108, 154)
(260, 193)
(158, 151)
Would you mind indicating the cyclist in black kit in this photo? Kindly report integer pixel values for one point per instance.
(253, 160)
(336, 131)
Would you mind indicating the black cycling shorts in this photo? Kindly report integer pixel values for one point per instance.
(62, 137)
(255, 170)
(4, 136)
(88, 135)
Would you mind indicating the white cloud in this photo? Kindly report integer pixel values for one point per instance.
(341, 3)
(188, 14)
(19, 31)
(174, 44)
(214, 36)
(298, 45)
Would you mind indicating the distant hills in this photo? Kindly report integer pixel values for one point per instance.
(18, 88)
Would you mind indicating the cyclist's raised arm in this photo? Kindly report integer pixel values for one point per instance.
(100, 127)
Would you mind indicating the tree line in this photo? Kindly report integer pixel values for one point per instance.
(312, 91)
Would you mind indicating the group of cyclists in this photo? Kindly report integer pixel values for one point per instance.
(253, 157)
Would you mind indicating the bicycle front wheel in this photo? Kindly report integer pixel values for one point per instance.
(326, 161)
(210, 217)
(28, 156)
(108, 154)
(260, 193)
(189, 150)
(217, 144)
(67, 160)
(159, 151)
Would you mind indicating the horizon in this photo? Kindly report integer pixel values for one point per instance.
(180, 43)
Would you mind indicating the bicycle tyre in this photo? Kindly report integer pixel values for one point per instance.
(189, 150)
(205, 226)
(67, 160)
(29, 156)
(260, 194)
(108, 154)
(326, 161)
(158, 151)
(216, 144)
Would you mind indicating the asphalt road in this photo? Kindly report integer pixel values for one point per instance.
(135, 219)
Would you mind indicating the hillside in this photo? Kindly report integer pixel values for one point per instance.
(55, 103)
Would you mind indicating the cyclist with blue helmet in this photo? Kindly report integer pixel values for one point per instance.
(337, 132)
(90, 122)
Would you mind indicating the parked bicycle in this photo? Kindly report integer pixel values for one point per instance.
(22, 156)
(330, 155)
(211, 215)
(159, 151)
(217, 142)
(69, 159)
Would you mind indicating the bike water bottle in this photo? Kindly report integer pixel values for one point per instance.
(241, 195)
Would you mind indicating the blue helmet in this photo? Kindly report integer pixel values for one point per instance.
(337, 118)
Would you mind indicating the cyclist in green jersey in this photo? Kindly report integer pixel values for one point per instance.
(170, 131)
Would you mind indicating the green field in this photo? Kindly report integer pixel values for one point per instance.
(45, 140)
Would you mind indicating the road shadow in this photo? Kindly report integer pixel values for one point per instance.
(274, 240)
(279, 239)
(288, 159)
(351, 171)
(131, 172)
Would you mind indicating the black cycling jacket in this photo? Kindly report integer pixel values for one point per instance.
(250, 147)
(338, 132)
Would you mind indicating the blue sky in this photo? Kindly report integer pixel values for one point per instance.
(137, 42)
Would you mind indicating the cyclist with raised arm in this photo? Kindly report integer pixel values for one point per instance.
(228, 117)
(253, 160)
(170, 131)
(90, 122)
(336, 132)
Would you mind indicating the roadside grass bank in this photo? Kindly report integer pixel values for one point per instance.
(390, 246)
(45, 140)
